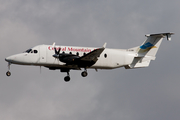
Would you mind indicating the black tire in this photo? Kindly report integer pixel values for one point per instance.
(8, 73)
(67, 79)
(84, 74)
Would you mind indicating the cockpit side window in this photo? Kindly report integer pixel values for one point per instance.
(35, 51)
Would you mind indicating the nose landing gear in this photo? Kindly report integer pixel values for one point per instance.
(8, 73)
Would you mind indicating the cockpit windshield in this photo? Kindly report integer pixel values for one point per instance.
(28, 51)
(31, 51)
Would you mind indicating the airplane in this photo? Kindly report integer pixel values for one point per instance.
(66, 58)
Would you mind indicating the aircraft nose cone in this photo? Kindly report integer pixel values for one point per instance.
(8, 59)
(16, 59)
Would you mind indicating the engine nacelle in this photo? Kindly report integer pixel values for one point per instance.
(68, 59)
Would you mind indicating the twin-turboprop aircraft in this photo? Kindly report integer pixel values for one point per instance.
(68, 58)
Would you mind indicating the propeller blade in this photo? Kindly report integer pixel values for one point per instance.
(56, 55)
(57, 52)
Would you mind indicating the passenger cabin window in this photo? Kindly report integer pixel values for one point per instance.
(105, 55)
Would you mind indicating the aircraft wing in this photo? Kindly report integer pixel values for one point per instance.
(92, 56)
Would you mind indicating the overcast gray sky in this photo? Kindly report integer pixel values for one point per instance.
(141, 94)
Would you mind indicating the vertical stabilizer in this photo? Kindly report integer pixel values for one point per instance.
(152, 44)
(147, 51)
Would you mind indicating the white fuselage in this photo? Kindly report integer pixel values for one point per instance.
(67, 58)
(42, 55)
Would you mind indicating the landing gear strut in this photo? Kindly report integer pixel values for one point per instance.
(8, 73)
(67, 78)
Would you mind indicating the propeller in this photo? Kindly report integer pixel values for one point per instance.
(56, 55)
(66, 58)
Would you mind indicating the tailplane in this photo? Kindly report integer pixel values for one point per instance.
(147, 51)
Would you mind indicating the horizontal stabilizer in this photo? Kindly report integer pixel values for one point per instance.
(140, 62)
(168, 35)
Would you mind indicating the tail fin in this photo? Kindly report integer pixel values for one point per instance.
(147, 51)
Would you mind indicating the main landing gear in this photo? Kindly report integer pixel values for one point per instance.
(67, 78)
(84, 73)
(8, 73)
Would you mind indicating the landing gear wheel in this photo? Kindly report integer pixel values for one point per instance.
(84, 74)
(67, 79)
(8, 73)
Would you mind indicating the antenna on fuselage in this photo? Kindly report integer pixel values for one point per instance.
(104, 46)
(53, 44)
(40, 69)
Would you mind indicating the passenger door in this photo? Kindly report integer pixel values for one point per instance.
(42, 55)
